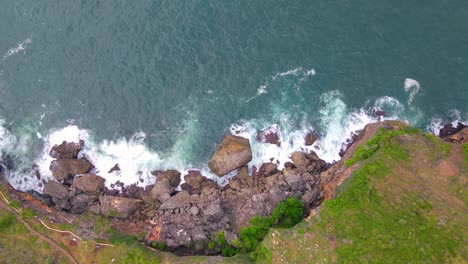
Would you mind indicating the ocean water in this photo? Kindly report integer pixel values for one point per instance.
(155, 85)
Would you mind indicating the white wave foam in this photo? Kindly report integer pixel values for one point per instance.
(20, 47)
(412, 86)
(454, 117)
(299, 72)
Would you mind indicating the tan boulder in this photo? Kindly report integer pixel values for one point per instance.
(233, 153)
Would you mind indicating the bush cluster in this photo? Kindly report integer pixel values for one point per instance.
(285, 215)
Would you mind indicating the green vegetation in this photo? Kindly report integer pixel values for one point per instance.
(158, 246)
(385, 140)
(138, 255)
(27, 214)
(390, 211)
(285, 215)
(6, 221)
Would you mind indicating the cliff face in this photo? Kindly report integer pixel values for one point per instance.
(398, 196)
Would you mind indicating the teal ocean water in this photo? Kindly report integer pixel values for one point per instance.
(157, 84)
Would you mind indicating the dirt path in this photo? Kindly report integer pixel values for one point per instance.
(41, 236)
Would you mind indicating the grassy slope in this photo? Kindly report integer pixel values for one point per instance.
(406, 203)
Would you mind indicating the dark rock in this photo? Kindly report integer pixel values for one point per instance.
(66, 150)
(459, 137)
(63, 168)
(115, 168)
(172, 176)
(82, 202)
(55, 190)
(270, 135)
(449, 129)
(347, 144)
(310, 138)
(118, 207)
(378, 112)
(233, 153)
(89, 183)
(180, 200)
(289, 164)
(43, 198)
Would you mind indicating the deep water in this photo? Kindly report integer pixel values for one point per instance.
(157, 84)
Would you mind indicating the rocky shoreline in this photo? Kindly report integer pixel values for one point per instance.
(185, 217)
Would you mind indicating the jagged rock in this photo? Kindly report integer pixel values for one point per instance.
(115, 168)
(459, 137)
(214, 208)
(267, 169)
(270, 135)
(81, 202)
(233, 153)
(63, 168)
(55, 190)
(310, 138)
(119, 207)
(66, 150)
(162, 190)
(299, 159)
(194, 179)
(89, 183)
(172, 176)
(449, 129)
(180, 200)
(45, 199)
(295, 181)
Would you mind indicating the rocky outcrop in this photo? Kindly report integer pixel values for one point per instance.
(66, 150)
(459, 137)
(449, 129)
(119, 207)
(310, 138)
(191, 217)
(90, 183)
(55, 190)
(64, 168)
(270, 135)
(233, 153)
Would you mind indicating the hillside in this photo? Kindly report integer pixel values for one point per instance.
(402, 200)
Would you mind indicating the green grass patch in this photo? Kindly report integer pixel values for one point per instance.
(285, 215)
(6, 221)
(378, 228)
(385, 140)
(140, 255)
(27, 214)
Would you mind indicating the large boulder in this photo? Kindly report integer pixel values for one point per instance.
(82, 202)
(55, 190)
(66, 150)
(172, 176)
(179, 200)
(162, 190)
(89, 183)
(310, 138)
(119, 207)
(233, 153)
(63, 168)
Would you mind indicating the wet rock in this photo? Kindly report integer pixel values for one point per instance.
(180, 200)
(449, 129)
(119, 207)
(63, 168)
(55, 190)
(66, 150)
(459, 137)
(310, 138)
(270, 135)
(194, 179)
(299, 159)
(267, 169)
(89, 183)
(172, 176)
(233, 153)
(115, 168)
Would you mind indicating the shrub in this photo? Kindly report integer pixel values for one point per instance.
(6, 221)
